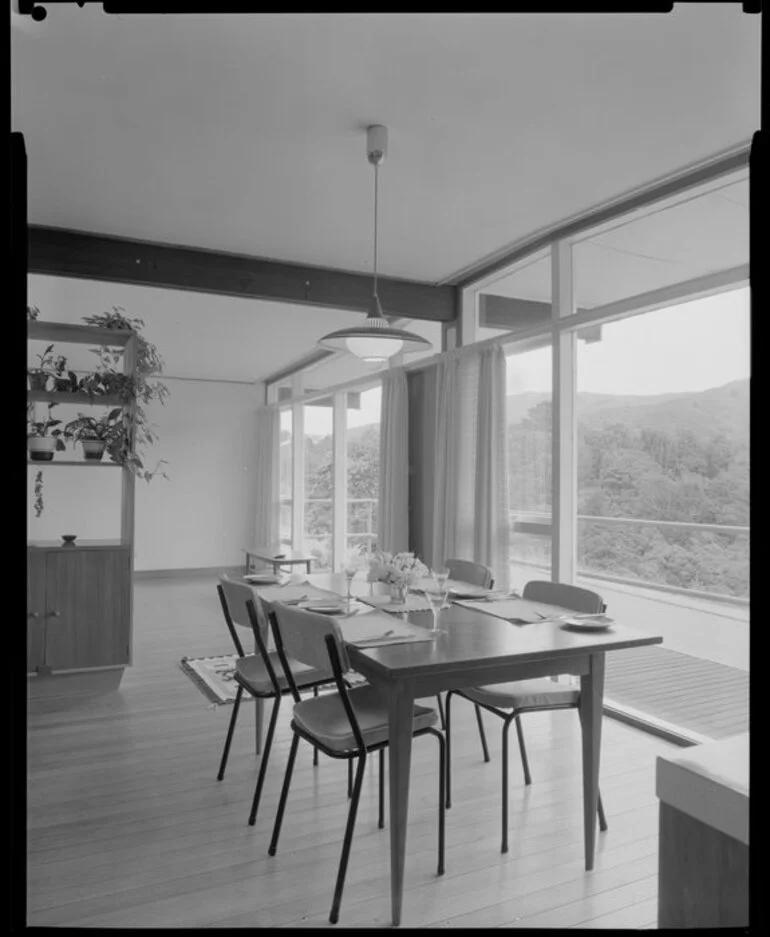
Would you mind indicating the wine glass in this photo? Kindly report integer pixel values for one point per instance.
(350, 568)
(435, 593)
(441, 575)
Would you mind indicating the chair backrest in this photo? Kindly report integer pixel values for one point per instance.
(559, 593)
(234, 597)
(475, 574)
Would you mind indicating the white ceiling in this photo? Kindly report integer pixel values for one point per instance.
(245, 133)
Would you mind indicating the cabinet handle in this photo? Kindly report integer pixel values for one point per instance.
(33, 614)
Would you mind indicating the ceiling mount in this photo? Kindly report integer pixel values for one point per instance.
(376, 340)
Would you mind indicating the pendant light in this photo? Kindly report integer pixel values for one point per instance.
(376, 339)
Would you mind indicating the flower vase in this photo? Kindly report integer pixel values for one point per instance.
(398, 593)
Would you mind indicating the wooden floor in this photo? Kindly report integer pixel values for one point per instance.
(128, 826)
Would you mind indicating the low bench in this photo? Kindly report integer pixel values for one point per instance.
(703, 848)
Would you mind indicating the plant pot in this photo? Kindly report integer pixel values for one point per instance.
(93, 449)
(41, 448)
(38, 380)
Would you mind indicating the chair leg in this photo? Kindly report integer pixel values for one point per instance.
(350, 778)
(230, 728)
(482, 734)
(441, 710)
(448, 751)
(523, 751)
(506, 726)
(381, 818)
(263, 763)
(442, 775)
(284, 794)
(602, 818)
(315, 749)
(335, 912)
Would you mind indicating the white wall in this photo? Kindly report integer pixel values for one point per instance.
(203, 515)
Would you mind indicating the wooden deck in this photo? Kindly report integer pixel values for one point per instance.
(704, 697)
(128, 827)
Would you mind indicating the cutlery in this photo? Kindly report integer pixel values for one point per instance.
(378, 637)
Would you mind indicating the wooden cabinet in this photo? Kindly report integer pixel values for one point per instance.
(79, 596)
(79, 607)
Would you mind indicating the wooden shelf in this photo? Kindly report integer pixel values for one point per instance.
(78, 545)
(79, 398)
(79, 334)
(89, 463)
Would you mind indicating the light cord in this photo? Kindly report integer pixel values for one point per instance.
(376, 179)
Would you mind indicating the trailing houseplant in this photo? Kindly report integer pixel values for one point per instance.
(39, 376)
(143, 389)
(94, 434)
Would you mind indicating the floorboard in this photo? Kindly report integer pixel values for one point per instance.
(128, 826)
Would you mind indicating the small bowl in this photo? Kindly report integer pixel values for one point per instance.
(69, 538)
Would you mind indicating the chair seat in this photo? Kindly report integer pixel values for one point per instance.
(253, 672)
(324, 718)
(524, 694)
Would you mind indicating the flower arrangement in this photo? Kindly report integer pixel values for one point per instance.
(401, 569)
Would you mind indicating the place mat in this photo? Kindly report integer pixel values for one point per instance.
(516, 611)
(214, 677)
(414, 603)
(375, 629)
(293, 591)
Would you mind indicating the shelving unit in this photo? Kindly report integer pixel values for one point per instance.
(79, 596)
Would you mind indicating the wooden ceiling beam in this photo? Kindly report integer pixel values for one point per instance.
(83, 255)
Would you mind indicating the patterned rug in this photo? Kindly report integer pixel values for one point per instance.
(214, 677)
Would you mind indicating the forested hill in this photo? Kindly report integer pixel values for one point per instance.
(719, 410)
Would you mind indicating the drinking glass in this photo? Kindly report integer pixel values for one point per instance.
(441, 575)
(350, 569)
(435, 594)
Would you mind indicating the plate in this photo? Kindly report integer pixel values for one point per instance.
(468, 593)
(600, 623)
(325, 608)
(262, 578)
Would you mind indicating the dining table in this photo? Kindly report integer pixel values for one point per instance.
(473, 648)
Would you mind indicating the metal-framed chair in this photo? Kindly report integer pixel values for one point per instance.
(475, 574)
(509, 701)
(348, 724)
(260, 674)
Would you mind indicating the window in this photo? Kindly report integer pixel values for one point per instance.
(285, 464)
(362, 469)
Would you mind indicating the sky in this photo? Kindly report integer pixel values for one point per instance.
(689, 347)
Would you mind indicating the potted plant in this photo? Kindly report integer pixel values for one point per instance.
(42, 438)
(38, 377)
(107, 379)
(94, 434)
(64, 380)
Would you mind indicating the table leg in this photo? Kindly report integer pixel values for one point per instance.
(258, 711)
(401, 715)
(591, 697)
(308, 565)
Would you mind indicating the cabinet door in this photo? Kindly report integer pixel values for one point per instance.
(88, 599)
(36, 567)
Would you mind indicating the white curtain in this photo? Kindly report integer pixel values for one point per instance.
(470, 501)
(393, 503)
(266, 528)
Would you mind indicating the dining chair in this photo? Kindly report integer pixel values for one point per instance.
(261, 673)
(475, 574)
(510, 701)
(347, 724)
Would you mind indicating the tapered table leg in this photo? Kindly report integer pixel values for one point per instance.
(401, 709)
(591, 697)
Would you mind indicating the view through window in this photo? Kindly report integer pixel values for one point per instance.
(362, 471)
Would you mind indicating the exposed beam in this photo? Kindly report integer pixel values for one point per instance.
(510, 313)
(79, 254)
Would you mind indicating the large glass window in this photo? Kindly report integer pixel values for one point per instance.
(528, 405)
(362, 471)
(319, 482)
(285, 463)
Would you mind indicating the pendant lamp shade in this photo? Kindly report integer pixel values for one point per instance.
(375, 340)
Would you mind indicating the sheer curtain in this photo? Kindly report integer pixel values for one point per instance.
(470, 499)
(266, 527)
(393, 501)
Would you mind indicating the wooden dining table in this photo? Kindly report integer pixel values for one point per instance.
(472, 648)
